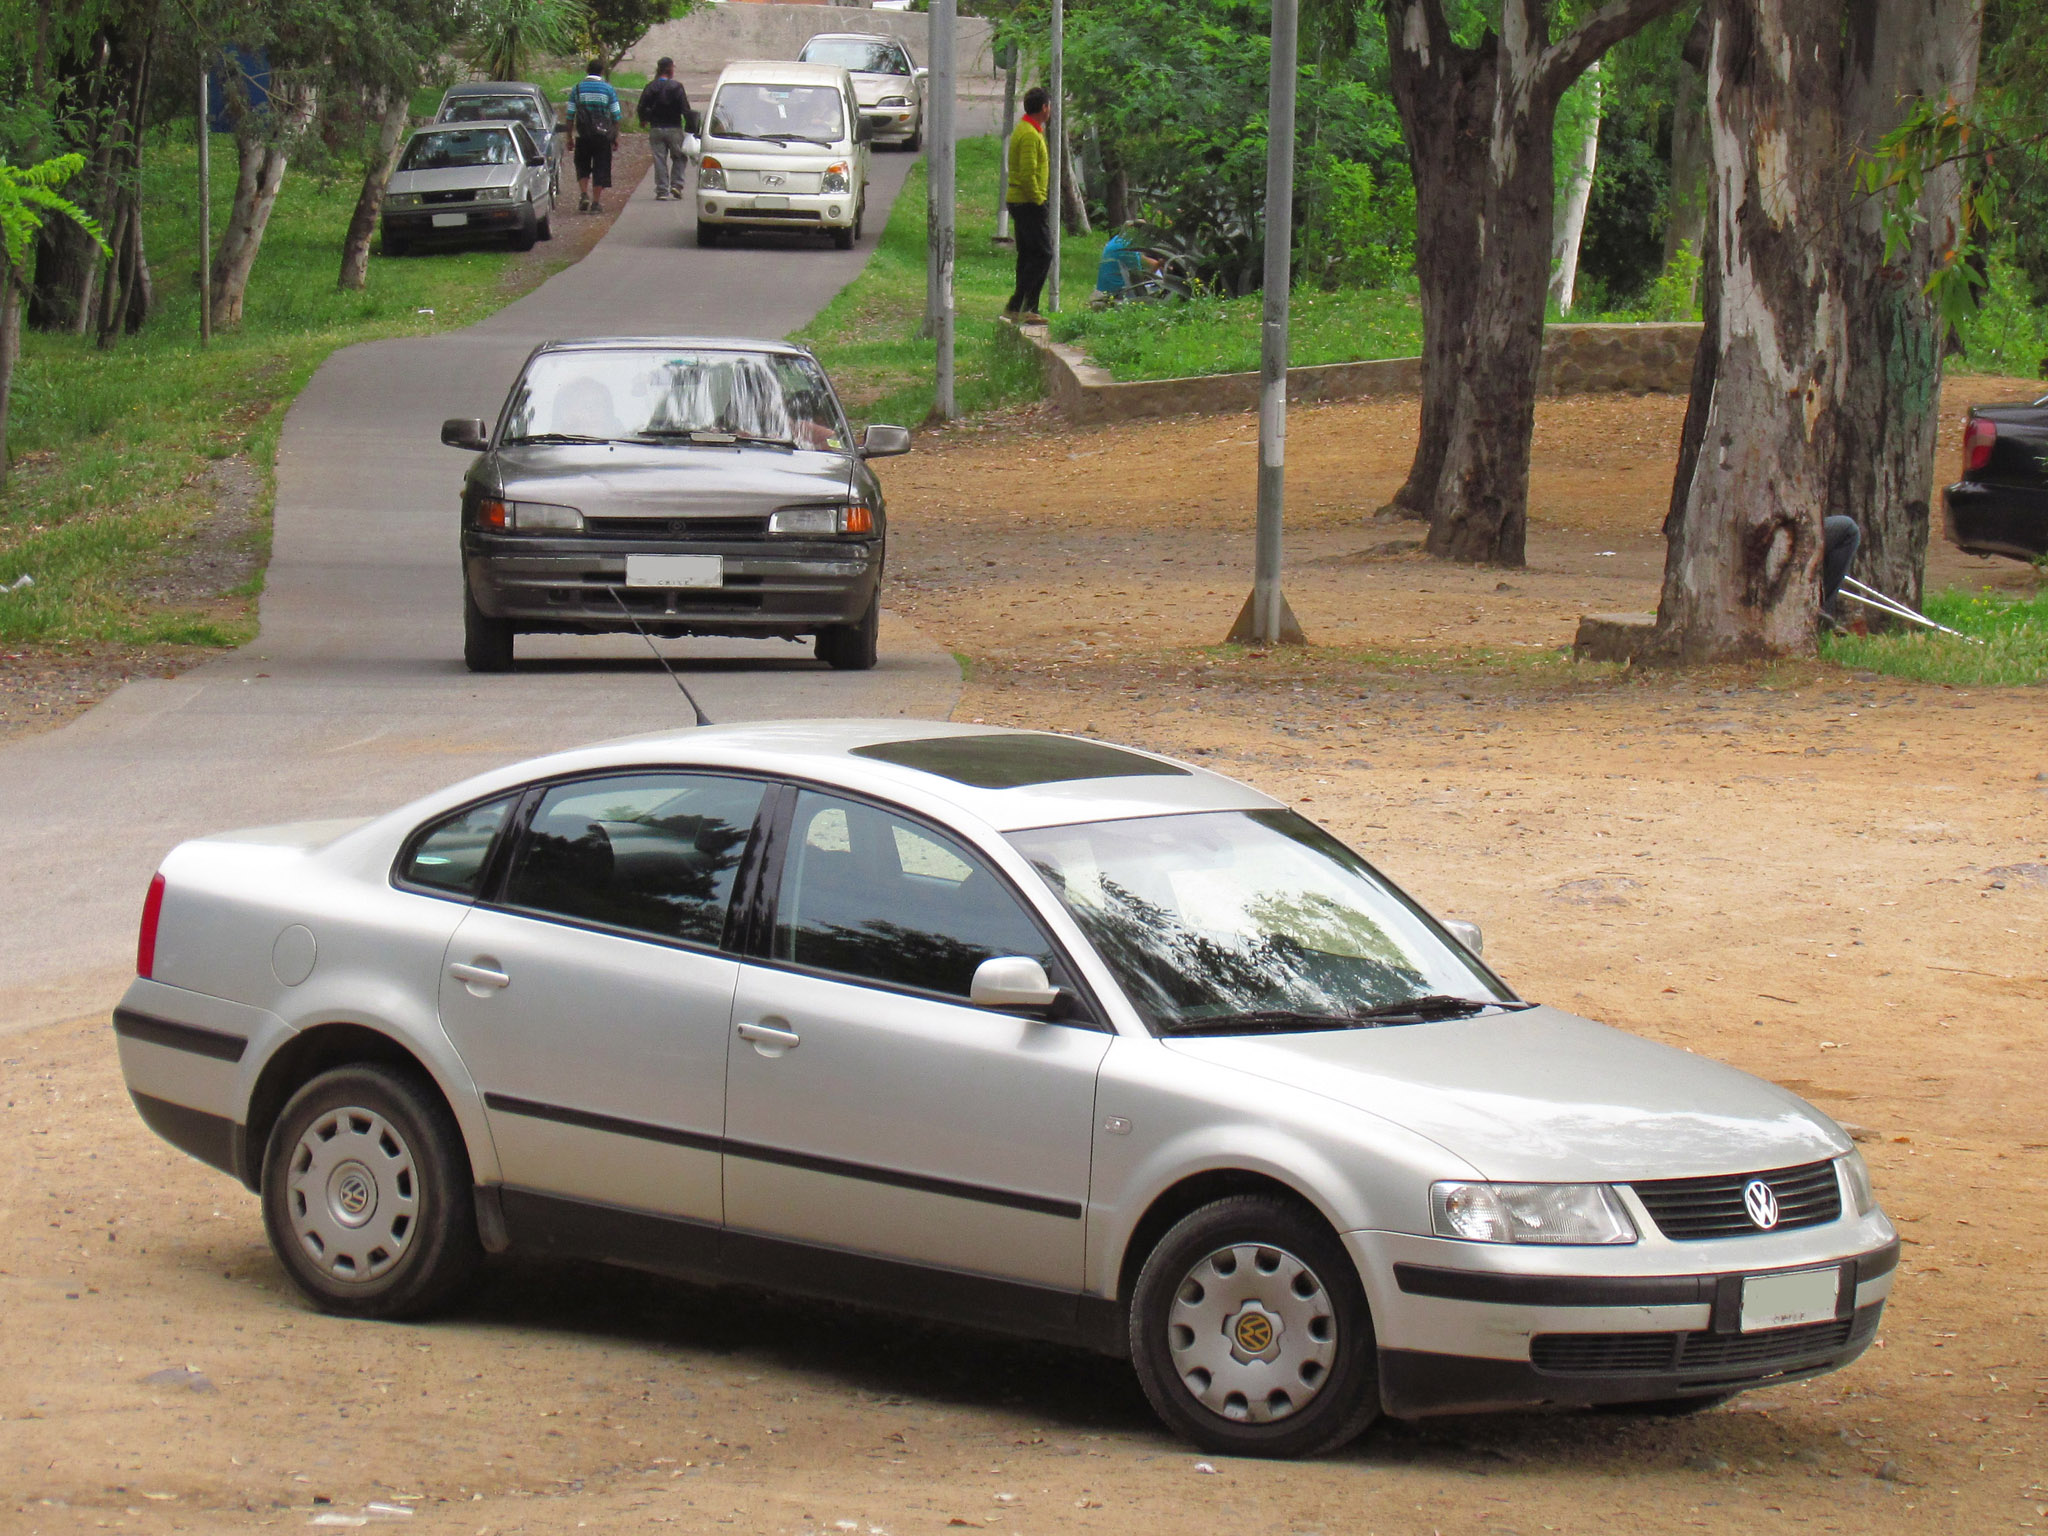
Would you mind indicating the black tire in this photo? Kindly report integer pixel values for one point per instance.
(387, 246)
(853, 647)
(384, 1138)
(707, 235)
(1232, 1262)
(528, 231)
(916, 140)
(842, 239)
(545, 229)
(486, 642)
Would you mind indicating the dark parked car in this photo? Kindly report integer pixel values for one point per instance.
(2000, 506)
(680, 486)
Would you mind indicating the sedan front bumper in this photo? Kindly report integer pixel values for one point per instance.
(478, 219)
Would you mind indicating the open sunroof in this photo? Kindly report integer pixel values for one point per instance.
(1013, 760)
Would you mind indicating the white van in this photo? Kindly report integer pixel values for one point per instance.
(784, 147)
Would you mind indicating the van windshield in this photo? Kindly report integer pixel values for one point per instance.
(810, 112)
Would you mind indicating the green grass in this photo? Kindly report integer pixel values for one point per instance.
(867, 336)
(1208, 335)
(2014, 652)
(108, 447)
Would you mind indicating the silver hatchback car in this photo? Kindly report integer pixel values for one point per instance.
(458, 182)
(1018, 1030)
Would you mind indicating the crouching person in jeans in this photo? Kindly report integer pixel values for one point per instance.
(665, 109)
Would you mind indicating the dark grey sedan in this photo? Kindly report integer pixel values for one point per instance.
(674, 486)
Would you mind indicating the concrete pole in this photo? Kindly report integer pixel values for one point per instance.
(939, 166)
(1266, 618)
(1056, 142)
(1003, 145)
(205, 217)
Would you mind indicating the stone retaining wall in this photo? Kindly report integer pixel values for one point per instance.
(1577, 359)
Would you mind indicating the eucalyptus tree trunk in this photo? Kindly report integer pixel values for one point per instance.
(1444, 94)
(263, 144)
(1882, 474)
(1741, 573)
(395, 109)
(1578, 192)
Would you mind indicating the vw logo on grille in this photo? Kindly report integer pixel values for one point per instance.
(1761, 1201)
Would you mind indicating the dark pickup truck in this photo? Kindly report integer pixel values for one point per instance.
(2000, 506)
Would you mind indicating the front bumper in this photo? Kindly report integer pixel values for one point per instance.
(478, 219)
(575, 586)
(1997, 519)
(1525, 1331)
(796, 210)
(888, 124)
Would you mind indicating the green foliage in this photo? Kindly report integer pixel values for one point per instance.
(616, 25)
(2014, 652)
(508, 38)
(1216, 335)
(28, 195)
(1622, 253)
(1675, 293)
(2006, 332)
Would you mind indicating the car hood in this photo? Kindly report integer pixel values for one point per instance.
(869, 89)
(453, 178)
(627, 480)
(1542, 1096)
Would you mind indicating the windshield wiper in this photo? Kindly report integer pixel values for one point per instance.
(558, 437)
(1285, 1021)
(717, 439)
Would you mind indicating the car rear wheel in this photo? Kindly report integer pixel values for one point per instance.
(367, 1195)
(853, 647)
(1250, 1332)
(707, 235)
(486, 642)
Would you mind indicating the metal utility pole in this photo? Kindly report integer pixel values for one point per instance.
(939, 166)
(205, 216)
(1008, 60)
(1266, 619)
(1056, 142)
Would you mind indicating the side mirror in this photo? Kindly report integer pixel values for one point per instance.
(465, 432)
(1012, 981)
(1465, 933)
(879, 442)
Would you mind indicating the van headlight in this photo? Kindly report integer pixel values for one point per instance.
(1586, 1214)
(835, 177)
(1856, 1174)
(710, 174)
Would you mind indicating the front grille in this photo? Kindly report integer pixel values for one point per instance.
(1666, 1354)
(459, 195)
(675, 527)
(1694, 1210)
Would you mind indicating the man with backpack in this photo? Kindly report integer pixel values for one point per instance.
(593, 131)
(665, 110)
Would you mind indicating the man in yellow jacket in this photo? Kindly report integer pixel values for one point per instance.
(1030, 174)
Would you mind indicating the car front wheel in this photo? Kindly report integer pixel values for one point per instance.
(853, 647)
(367, 1195)
(486, 642)
(1250, 1332)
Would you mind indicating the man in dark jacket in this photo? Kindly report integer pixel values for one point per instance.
(665, 109)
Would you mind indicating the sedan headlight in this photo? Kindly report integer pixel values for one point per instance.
(1530, 1213)
(893, 101)
(494, 194)
(527, 517)
(710, 175)
(835, 177)
(849, 517)
(401, 200)
(1856, 1173)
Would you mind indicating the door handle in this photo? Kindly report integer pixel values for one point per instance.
(479, 976)
(768, 1039)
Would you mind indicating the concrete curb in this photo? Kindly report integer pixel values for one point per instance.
(1577, 359)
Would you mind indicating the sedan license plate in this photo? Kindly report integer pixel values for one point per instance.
(1786, 1301)
(771, 202)
(450, 220)
(675, 570)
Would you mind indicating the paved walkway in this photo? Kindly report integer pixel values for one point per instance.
(353, 697)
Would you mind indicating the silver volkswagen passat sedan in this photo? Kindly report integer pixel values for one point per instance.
(676, 486)
(1018, 1030)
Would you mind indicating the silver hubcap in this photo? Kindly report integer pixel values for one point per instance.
(353, 1194)
(1252, 1333)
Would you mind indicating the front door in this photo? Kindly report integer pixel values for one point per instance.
(869, 1108)
(591, 1003)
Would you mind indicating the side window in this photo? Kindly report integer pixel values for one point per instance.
(656, 853)
(451, 854)
(882, 898)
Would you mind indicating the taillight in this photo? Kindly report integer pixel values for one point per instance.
(1979, 437)
(145, 937)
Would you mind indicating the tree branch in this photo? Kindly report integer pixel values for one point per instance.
(1573, 54)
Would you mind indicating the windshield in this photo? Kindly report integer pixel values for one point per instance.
(675, 396)
(457, 147)
(745, 111)
(859, 55)
(479, 109)
(1229, 921)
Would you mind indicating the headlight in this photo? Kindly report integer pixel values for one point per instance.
(401, 200)
(494, 195)
(893, 101)
(1856, 1173)
(835, 177)
(527, 517)
(851, 517)
(710, 175)
(1530, 1213)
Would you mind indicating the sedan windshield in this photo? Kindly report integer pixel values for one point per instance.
(675, 397)
(454, 148)
(477, 109)
(858, 55)
(1233, 922)
(744, 111)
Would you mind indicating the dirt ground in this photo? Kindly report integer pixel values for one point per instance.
(1698, 858)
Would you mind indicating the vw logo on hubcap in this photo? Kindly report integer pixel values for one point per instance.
(1761, 1201)
(353, 1193)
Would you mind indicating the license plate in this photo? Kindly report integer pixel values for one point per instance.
(450, 220)
(1786, 1301)
(771, 202)
(675, 570)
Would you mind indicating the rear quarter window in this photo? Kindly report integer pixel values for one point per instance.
(451, 855)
